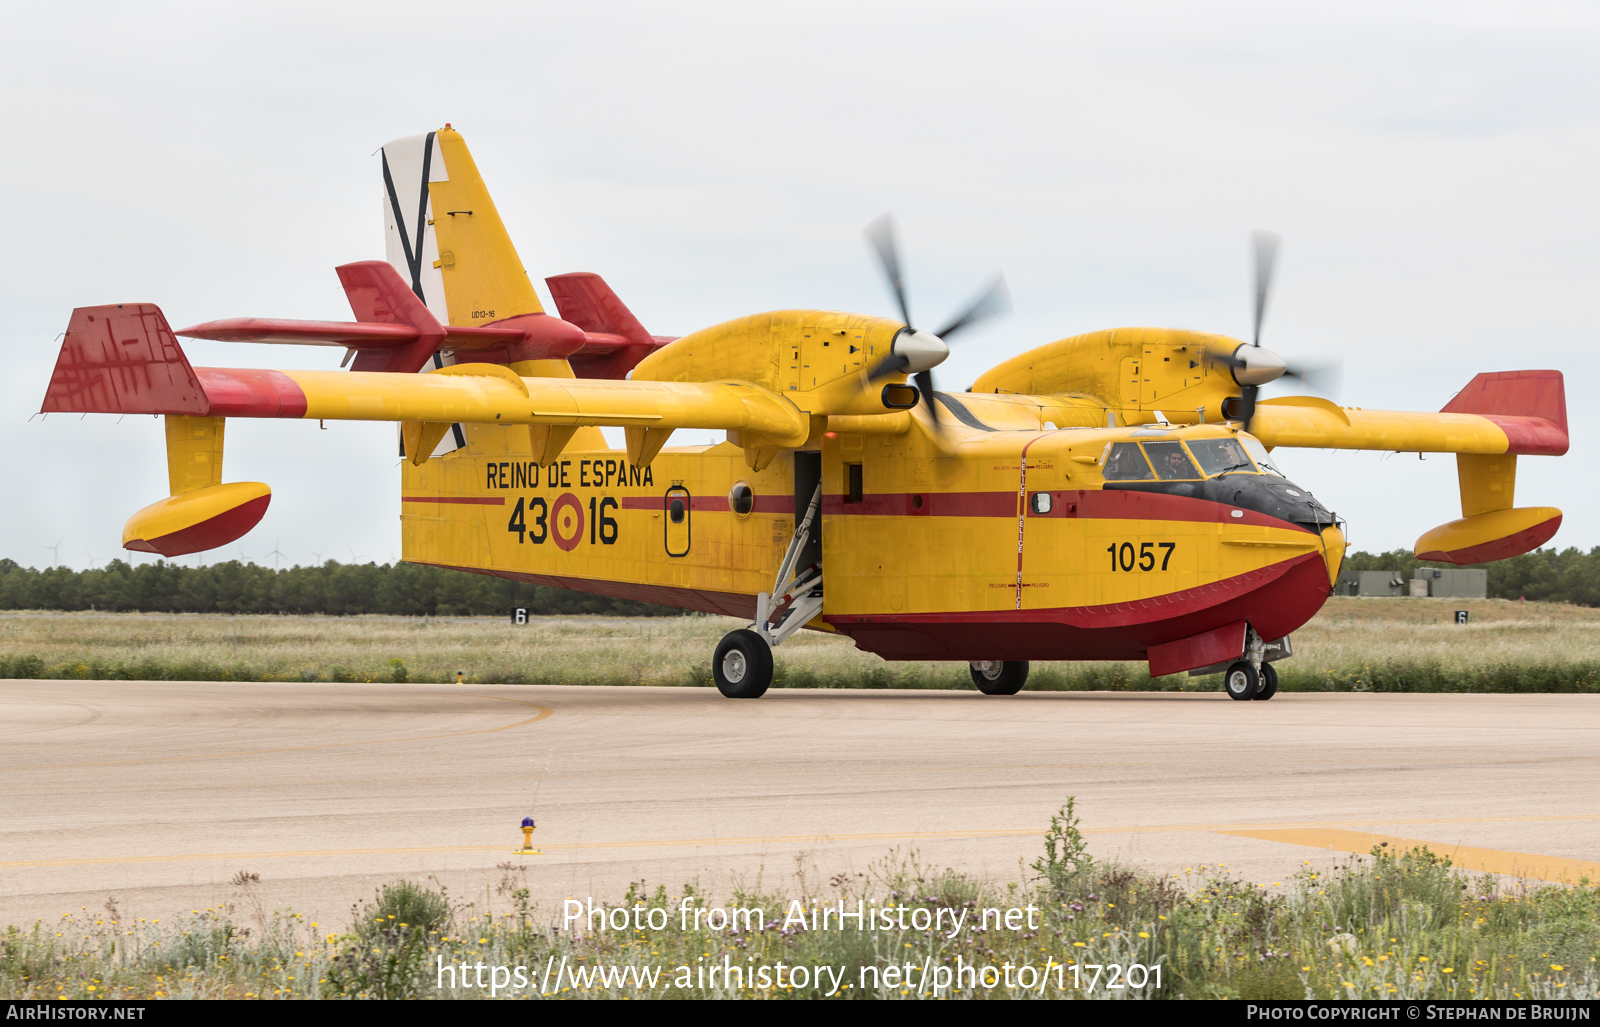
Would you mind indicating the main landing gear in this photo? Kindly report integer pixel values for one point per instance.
(997, 677)
(1252, 677)
(742, 664)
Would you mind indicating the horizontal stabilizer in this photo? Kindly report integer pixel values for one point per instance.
(616, 341)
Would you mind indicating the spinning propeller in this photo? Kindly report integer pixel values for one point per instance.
(1253, 366)
(917, 352)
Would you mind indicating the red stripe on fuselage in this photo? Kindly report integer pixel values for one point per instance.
(763, 504)
(463, 500)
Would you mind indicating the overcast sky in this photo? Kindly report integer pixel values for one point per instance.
(1431, 166)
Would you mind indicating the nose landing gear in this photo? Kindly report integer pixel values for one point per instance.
(1252, 677)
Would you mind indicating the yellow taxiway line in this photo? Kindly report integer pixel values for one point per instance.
(1495, 861)
(1528, 865)
(544, 711)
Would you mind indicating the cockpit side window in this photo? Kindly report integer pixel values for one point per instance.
(1254, 447)
(1126, 463)
(1170, 461)
(1217, 456)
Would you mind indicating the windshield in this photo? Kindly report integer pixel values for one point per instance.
(1254, 447)
(1126, 463)
(1218, 456)
(1170, 461)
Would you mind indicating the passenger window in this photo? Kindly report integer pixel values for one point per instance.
(1170, 461)
(675, 511)
(1126, 463)
(1218, 456)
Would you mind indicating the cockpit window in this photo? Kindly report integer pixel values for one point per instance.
(1126, 463)
(1170, 461)
(1254, 447)
(1218, 456)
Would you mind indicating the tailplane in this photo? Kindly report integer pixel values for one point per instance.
(615, 341)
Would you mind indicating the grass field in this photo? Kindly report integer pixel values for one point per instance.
(1388, 926)
(1353, 644)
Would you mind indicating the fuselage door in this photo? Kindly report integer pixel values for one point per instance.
(677, 521)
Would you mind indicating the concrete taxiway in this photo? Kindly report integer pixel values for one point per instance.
(158, 793)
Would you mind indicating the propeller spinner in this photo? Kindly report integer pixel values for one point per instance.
(1253, 366)
(917, 352)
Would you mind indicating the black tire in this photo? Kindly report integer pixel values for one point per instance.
(742, 665)
(1000, 678)
(1241, 681)
(1269, 682)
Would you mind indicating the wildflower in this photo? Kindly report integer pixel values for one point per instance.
(1144, 934)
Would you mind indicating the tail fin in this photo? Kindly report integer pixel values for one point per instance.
(584, 299)
(446, 238)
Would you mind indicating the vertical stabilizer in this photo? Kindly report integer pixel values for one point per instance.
(446, 238)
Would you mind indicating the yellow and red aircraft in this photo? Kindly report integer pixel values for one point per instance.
(1103, 497)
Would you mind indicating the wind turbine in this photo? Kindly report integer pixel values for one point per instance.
(276, 553)
(55, 550)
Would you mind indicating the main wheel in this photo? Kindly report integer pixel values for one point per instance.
(1242, 681)
(994, 677)
(1269, 682)
(742, 665)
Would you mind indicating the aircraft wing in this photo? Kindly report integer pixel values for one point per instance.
(125, 359)
(1505, 412)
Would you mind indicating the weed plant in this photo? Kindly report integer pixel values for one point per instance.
(1389, 925)
(1353, 645)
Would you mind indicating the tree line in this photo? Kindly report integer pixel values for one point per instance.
(332, 588)
(1565, 576)
(1544, 575)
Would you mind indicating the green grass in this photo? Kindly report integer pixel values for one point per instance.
(1380, 645)
(1405, 925)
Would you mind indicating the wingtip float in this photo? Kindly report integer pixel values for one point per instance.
(1108, 496)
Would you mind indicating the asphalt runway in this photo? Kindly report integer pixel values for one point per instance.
(157, 793)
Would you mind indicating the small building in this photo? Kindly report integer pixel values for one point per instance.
(1370, 583)
(1450, 583)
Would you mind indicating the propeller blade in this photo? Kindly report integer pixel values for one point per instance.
(1246, 410)
(881, 234)
(894, 363)
(1266, 249)
(1323, 378)
(995, 300)
(924, 380)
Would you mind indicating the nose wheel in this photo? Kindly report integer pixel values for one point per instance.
(1242, 681)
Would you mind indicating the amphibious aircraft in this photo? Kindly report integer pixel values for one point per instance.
(1108, 496)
